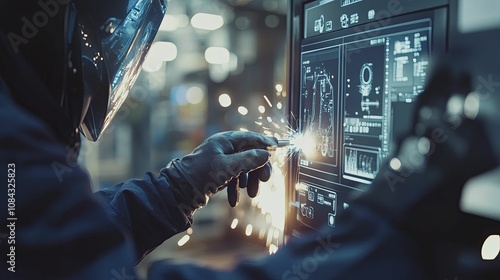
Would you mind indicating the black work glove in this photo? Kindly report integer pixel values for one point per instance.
(418, 188)
(232, 159)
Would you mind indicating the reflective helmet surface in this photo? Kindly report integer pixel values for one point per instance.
(112, 49)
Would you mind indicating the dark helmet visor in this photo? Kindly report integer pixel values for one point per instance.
(112, 58)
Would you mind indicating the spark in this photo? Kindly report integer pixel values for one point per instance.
(272, 121)
(248, 230)
(234, 223)
(183, 240)
(268, 101)
(273, 249)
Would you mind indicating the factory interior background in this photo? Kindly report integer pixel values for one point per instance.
(216, 65)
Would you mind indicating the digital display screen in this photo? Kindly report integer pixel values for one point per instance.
(357, 92)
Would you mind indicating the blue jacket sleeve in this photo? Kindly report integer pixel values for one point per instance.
(365, 247)
(53, 226)
(148, 209)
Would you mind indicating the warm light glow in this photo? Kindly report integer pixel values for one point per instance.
(234, 224)
(472, 104)
(262, 109)
(279, 88)
(248, 230)
(183, 240)
(207, 21)
(218, 72)
(242, 110)
(269, 238)
(225, 100)
(276, 233)
(269, 219)
(195, 95)
(182, 20)
(163, 51)
(272, 21)
(173, 22)
(268, 101)
(233, 62)
(189, 231)
(455, 105)
(305, 143)
(301, 187)
(271, 198)
(159, 53)
(169, 23)
(273, 249)
(395, 164)
(268, 133)
(151, 65)
(262, 233)
(217, 55)
(491, 247)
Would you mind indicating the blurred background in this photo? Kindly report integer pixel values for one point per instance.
(216, 65)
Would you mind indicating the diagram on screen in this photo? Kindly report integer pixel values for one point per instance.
(409, 63)
(356, 90)
(319, 90)
(362, 163)
(364, 82)
(365, 88)
(363, 111)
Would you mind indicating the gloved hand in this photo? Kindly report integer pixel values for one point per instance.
(233, 159)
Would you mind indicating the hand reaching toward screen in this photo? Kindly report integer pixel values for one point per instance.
(233, 159)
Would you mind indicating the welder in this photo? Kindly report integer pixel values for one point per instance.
(65, 69)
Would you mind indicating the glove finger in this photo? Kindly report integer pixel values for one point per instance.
(243, 162)
(253, 184)
(262, 174)
(237, 141)
(243, 180)
(233, 192)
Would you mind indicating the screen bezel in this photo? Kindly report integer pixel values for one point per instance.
(439, 17)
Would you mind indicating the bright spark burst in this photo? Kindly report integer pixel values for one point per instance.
(273, 122)
(268, 101)
(303, 143)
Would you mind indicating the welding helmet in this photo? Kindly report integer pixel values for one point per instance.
(111, 48)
